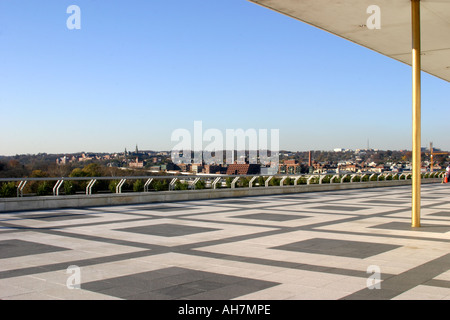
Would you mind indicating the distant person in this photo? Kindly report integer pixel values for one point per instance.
(447, 174)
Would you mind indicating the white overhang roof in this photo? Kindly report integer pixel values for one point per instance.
(348, 19)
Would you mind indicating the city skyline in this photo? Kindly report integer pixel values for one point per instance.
(137, 71)
(167, 152)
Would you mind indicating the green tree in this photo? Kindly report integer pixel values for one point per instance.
(200, 184)
(181, 185)
(274, 182)
(161, 185)
(44, 188)
(302, 180)
(261, 181)
(77, 172)
(69, 187)
(245, 181)
(93, 170)
(138, 186)
(112, 185)
(8, 190)
(38, 174)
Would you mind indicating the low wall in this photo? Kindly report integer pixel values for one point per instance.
(77, 201)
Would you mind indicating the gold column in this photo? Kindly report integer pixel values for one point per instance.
(416, 150)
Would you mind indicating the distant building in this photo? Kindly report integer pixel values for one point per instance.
(289, 167)
(185, 167)
(379, 169)
(243, 169)
(196, 167)
(136, 163)
(62, 160)
(211, 169)
(112, 164)
(172, 167)
(349, 167)
(65, 159)
(86, 157)
(268, 170)
(323, 167)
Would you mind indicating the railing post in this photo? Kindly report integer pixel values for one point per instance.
(215, 182)
(147, 184)
(172, 184)
(56, 187)
(266, 183)
(89, 186)
(195, 182)
(119, 186)
(250, 183)
(20, 188)
(233, 183)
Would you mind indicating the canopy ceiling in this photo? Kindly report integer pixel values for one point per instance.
(348, 19)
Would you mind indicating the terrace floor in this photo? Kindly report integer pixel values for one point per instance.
(321, 245)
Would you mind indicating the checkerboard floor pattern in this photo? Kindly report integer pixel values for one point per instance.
(319, 245)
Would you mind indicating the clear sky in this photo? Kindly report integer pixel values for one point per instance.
(139, 69)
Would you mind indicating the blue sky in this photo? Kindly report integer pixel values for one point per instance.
(138, 70)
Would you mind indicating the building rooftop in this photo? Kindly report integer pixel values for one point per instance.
(321, 245)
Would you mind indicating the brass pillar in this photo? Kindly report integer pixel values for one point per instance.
(416, 125)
